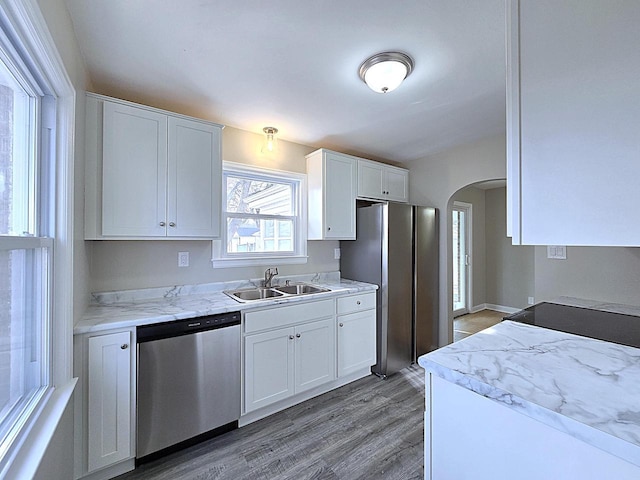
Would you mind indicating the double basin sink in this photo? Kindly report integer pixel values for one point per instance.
(262, 293)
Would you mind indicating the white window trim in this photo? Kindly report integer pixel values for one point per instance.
(31, 29)
(218, 249)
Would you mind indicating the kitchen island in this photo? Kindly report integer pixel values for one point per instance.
(520, 401)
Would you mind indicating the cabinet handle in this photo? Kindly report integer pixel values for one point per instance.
(297, 335)
(328, 228)
(172, 224)
(290, 337)
(162, 224)
(341, 324)
(358, 302)
(124, 346)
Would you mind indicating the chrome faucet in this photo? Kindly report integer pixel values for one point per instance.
(269, 273)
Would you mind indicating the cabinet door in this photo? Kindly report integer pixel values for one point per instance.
(134, 172)
(397, 184)
(315, 354)
(268, 367)
(339, 197)
(572, 136)
(109, 400)
(356, 341)
(370, 180)
(194, 179)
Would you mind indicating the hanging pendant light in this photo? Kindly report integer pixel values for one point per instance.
(384, 72)
(270, 139)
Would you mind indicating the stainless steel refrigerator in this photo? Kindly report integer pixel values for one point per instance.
(397, 249)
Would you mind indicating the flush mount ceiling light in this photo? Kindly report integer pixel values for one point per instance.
(270, 140)
(384, 72)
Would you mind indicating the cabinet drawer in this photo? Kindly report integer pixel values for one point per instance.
(356, 303)
(289, 315)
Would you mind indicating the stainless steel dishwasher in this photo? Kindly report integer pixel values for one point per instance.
(188, 381)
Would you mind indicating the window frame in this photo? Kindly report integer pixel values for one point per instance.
(222, 259)
(26, 30)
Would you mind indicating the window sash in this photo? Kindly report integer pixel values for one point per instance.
(222, 257)
(26, 265)
(276, 236)
(26, 240)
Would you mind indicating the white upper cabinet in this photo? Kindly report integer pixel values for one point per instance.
(194, 179)
(573, 144)
(331, 179)
(150, 174)
(382, 182)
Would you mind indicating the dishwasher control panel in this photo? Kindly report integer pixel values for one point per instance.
(158, 331)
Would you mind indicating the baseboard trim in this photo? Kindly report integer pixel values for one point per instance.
(495, 308)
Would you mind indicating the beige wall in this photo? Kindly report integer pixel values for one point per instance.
(433, 180)
(510, 268)
(606, 274)
(123, 265)
(476, 197)
(503, 274)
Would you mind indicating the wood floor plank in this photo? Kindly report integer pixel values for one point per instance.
(369, 429)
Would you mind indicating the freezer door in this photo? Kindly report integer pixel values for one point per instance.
(426, 280)
(399, 265)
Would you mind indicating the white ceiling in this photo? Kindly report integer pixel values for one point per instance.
(293, 64)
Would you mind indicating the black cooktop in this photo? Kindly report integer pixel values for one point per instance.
(608, 326)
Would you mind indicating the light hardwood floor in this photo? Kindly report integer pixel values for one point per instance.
(466, 325)
(369, 429)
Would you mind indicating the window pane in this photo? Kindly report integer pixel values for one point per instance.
(16, 170)
(255, 196)
(22, 346)
(253, 235)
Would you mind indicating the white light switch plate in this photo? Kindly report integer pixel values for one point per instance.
(336, 254)
(557, 252)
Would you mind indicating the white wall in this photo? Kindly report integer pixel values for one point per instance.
(59, 23)
(57, 463)
(433, 180)
(606, 274)
(123, 265)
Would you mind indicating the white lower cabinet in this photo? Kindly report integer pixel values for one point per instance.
(356, 332)
(356, 341)
(109, 399)
(283, 362)
(105, 403)
(268, 367)
(315, 354)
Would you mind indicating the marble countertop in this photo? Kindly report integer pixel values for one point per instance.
(587, 388)
(132, 308)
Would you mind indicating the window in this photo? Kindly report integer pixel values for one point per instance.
(263, 217)
(35, 209)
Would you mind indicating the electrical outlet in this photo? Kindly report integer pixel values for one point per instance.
(183, 259)
(530, 301)
(336, 254)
